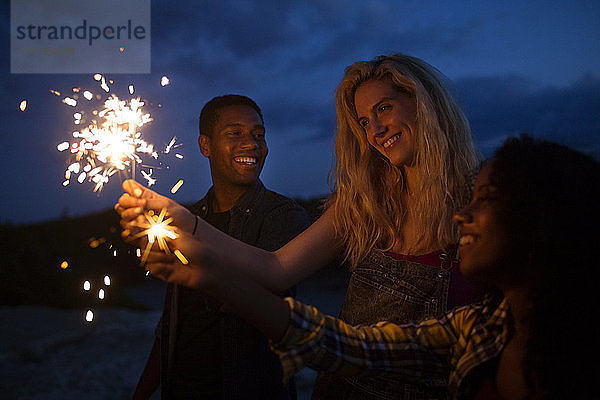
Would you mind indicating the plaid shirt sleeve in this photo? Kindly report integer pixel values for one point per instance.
(412, 352)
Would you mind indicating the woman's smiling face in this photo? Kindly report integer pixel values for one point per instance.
(388, 117)
(484, 240)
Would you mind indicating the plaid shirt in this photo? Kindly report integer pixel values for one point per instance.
(450, 346)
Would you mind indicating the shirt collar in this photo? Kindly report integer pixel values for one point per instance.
(249, 199)
(245, 203)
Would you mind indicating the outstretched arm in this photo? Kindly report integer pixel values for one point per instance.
(311, 250)
(268, 312)
(304, 337)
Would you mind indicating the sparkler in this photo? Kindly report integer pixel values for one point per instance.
(158, 229)
(110, 144)
(107, 141)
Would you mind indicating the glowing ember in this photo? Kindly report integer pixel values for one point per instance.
(138, 252)
(179, 156)
(131, 89)
(101, 294)
(148, 177)
(23, 105)
(64, 265)
(87, 285)
(180, 256)
(88, 95)
(89, 316)
(164, 81)
(170, 145)
(121, 49)
(107, 280)
(96, 242)
(104, 86)
(69, 101)
(55, 92)
(73, 168)
(97, 77)
(176, 187)
(63, 146)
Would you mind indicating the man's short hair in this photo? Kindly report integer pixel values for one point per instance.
(210, 112)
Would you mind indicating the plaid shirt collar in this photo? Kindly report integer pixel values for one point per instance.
(487, 341)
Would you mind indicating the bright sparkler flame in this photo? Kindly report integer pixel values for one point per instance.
(159, 229)
(108, 140)
(110, 144)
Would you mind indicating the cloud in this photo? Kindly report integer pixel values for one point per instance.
(501, 106)
(289, 57)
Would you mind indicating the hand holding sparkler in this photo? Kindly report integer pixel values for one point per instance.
(138, 200)
(204, 273)
(223, 284)
(204, 246)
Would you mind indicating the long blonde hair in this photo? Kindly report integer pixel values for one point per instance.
(368, 203)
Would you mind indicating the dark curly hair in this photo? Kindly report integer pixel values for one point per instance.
(210, 112)
(551, 194)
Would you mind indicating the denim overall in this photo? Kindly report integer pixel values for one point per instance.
(385, 289)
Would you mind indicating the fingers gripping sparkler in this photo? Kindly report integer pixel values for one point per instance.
(158, 230)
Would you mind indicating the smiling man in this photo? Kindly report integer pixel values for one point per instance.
(202, 351)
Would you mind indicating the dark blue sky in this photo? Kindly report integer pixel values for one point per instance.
(517, 66)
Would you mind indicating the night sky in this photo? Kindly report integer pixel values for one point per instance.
(517, 66)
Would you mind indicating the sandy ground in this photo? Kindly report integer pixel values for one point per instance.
(48, 353)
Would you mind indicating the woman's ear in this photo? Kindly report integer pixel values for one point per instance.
(204, 143)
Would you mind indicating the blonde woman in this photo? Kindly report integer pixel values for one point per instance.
(404, 155)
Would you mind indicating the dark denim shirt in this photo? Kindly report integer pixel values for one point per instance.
(250, 370)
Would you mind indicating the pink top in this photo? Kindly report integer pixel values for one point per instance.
(460, 291)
